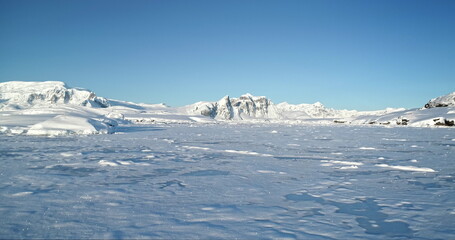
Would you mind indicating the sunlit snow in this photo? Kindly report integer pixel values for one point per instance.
(183, 181)
(75, 165)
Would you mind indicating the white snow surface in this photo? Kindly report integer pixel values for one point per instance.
(53, 108)
(230, 181)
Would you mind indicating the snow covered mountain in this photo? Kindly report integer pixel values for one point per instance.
(19, 95)
(52, 108)
(245, 107)
(442, 101)
(315, 110)
(249, 107)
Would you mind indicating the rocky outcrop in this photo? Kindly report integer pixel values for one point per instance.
(442, 101)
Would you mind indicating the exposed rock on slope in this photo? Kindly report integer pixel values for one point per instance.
(244, 107)
(250, 107)
(18, 95)
(442, 101)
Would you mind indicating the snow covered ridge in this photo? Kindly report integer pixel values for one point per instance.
(249, 107)
(19, 95)
(52, 108)
(442, 101)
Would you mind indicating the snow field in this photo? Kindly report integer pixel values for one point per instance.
(231, 181)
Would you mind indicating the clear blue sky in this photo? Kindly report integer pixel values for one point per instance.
(361, 55)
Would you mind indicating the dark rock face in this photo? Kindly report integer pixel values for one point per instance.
(443, 122)
(402, 121)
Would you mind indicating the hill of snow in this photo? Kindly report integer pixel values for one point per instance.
(442, 101)
(51, 108)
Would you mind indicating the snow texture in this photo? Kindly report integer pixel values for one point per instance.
(230, 181)
(239, 168)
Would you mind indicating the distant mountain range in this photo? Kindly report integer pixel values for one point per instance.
(24, 106)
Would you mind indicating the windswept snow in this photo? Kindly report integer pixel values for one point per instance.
(230, 181)
(238, 168)
(62, 125)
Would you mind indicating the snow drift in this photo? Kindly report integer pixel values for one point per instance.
(64, 125)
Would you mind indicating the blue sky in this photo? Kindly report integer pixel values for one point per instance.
(361, 55)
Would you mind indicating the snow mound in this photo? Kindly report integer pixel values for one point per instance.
(64, 125)
(19, 95)
(442, 101)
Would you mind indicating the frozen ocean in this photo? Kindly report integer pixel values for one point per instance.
(246, 181)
